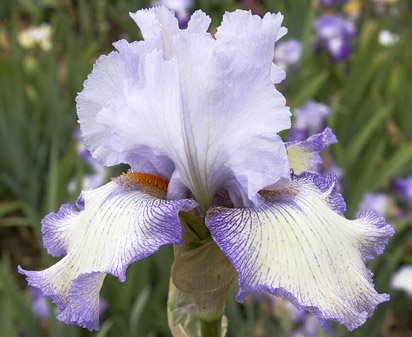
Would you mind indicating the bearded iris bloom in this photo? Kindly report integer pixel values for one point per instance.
(335, 34)
(196, 117)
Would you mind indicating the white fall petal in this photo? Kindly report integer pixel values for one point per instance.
(198, 111)
(115, 226)
(299, 246)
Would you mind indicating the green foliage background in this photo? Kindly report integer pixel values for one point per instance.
(371, 99)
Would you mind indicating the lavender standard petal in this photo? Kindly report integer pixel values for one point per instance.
(147, 105)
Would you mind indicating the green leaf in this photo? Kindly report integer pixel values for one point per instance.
(19, 306)
(361, 139)
(137, 310)
(395, 165)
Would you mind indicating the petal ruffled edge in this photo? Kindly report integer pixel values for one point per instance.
(267, 258)
(304, 155)
(114, 227)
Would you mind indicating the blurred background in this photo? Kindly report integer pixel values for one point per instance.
(349, 66)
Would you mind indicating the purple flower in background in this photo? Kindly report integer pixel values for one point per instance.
(334, 34)
(379, 202)
(297, 322)
(331, 2)
(180, 7)
(197, 116)
(39, 304)
(288, 53)
(82, 151)
(403, 187)
(310, 118)
(89, 180)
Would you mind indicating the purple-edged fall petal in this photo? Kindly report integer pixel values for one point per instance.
(115, 225)
(299, 246)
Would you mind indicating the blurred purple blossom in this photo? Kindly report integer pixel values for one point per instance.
(91, 180)
(379, 202)
(331, 2)
(309, 119)
(39, 304)
(288, 53)
(403, 188)
(81, 150)
(334, 35)
(180, 7)
(302, 323)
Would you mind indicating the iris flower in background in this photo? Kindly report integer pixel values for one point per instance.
(196, 117)
(403, 187)
(36, 36)
(331, 2)
(288, 53)
(298, 323)
(379, 202)
(39, 304)
(334, 35)
(387, 38)
(89, 180)
(310, 118)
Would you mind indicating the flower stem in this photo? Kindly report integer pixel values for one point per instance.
(211, 329)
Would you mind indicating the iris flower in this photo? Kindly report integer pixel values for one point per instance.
(335, 34)
(196, 117)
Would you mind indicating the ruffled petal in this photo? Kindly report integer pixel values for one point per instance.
(304, 155)
(198, 111)
(102, 85)
(242, 22)
(299, 247)
(114, 226)
(108, 82)
(199, 22)
(232, 113)
(158, 24)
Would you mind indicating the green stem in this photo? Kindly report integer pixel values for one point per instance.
(211, 329)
